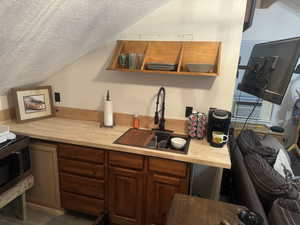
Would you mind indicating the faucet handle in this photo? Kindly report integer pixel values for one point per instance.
(156, 119)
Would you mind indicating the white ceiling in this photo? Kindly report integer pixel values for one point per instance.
(40, 37)
(293, 5)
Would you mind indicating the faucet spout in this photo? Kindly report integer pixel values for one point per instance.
(160, 120)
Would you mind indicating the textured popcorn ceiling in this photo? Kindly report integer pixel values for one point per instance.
(40, 37)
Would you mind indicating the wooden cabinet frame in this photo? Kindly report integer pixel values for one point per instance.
(45, 171)
(174, 52)
(137, 189)
(126, 196)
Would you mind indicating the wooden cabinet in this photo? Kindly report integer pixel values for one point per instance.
(83, 204)
(126, 196)
(44, 169)
(81, 153)
(82, 185)
(161, 190)
(120, 159)
(165, 179)
(82, 168)
(134, 189)
(82, 179)
(169, 167)
(179, 53)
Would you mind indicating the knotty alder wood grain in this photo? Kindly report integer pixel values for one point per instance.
(195, 211)
(173, 52)
(88, 133)
(136, 137)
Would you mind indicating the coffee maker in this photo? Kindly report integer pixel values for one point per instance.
(218, 122)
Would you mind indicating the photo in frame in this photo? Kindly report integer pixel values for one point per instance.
(33, 103)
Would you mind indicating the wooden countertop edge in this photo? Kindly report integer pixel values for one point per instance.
(199, 153)
(134, 150)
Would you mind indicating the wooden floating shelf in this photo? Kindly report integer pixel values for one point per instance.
(166, 72)
(170, 52)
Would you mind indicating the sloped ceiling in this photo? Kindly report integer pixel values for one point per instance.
(293, 5)
(40, 37)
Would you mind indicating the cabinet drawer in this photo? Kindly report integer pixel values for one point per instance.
(81, 153)
(168, 167)
(127, 160)
(82, 185)
(81, 168)
(82, 204)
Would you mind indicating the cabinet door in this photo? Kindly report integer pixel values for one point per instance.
(126, 192)
(46, 181)
(160, 192)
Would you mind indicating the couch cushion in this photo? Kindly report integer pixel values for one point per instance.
(272, 142)
(244, 188)
(290, 204)
(282, 165)
(249, 142)
(268, 182)
(283, 161)
(282, 216)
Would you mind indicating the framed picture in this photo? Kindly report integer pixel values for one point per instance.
(33, 103)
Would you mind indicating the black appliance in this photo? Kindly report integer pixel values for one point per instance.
(15, 162)
(270, 69)
(218, 120)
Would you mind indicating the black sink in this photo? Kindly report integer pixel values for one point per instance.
(152, 139)
(162, 141)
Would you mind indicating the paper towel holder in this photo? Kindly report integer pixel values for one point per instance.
(102, 122)
(103, 126)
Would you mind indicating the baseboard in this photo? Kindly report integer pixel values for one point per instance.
(122, 119)
(7, 114)
(56, 212)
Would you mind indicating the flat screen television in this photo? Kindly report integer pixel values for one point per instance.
(270, 68)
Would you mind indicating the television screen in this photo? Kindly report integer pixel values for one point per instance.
(270, 69)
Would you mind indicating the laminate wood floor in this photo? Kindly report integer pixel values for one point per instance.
(41, 217)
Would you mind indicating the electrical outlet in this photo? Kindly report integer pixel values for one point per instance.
(188, 111)
(57, 96)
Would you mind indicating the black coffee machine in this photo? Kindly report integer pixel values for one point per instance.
(218, 121)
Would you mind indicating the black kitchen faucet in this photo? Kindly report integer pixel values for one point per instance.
(160, 119)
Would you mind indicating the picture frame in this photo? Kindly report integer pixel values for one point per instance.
(33, 103)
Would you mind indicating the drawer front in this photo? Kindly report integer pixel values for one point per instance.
(82, 185)
(81, 168)
(168, 167)
(127, 160)
(81, 153)
(82, 204)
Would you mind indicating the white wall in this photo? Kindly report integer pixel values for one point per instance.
(3, 102)
(83, 83)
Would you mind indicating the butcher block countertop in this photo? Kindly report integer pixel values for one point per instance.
(87, 133)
